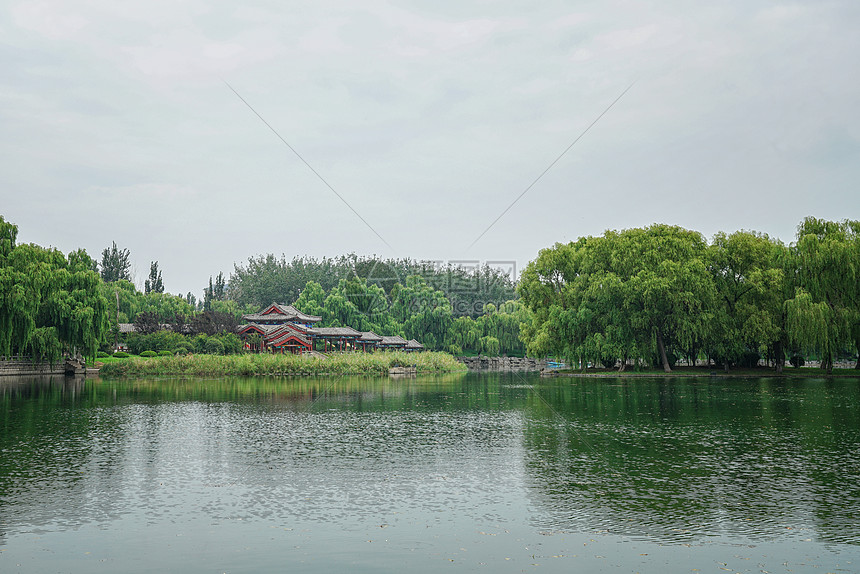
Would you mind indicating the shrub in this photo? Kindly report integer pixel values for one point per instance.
(232, 343)
(198, 343)
(121, 355)
(797, 361)
(159, 341)
(165, 353)
(102, 354)
(148, 354)
(182, 349)
(214, 346)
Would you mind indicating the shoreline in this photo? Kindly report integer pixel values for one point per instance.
(381, 363)
(764, 373)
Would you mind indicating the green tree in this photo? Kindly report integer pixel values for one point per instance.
(47, 302)
(630, 293)
(115, 264)
(424, 312)
(311, 300)
(749, 281)
(153, 284)
(825, 310)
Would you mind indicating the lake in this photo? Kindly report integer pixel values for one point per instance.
(475, 472)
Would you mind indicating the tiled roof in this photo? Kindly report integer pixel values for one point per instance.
(284, 337)
(334, 332)
(290, 313)
(413, 344)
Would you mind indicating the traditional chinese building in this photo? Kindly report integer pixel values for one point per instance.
(280, 328)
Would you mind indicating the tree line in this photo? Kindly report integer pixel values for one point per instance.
(467, 286)
(414, 309)
(51, 304)
(662, 293)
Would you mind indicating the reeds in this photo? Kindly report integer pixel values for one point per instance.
(283, 365)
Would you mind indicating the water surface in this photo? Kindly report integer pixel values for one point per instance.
(463, 473)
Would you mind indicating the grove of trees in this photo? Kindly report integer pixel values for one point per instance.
(662, 293)
(647, 296)
(49, 303)
(467, 286)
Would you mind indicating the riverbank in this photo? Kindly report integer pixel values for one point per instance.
(758, 372)
(282, 365)
(483, 363)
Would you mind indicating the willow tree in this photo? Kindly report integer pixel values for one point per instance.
(637, 292)
(464, 335)
(47, 302)
(503, 324)
(26, 277)
(669, 294)
(748, 275)
(17, 309)
(75, 307)
(544, 288)
(311, 300)
(825, 310)
(425, 313)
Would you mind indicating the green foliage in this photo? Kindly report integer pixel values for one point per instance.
(280, 365)
(489, 345)
(424, 312)
(157, 341)
(311, 300)
(631, 293)
(165, 353)
(231, 342)
(825, 312)
(44, 345)
(213, 346)
(183, 349)
(163, 308)
(102, 355)
(797, 361)
(115, 264)
(148, 354)
(121, 355)
(214, 322)
(662, 291)
(265, 279)
(153, 284)
(48, 303)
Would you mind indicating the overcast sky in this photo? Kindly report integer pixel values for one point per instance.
(428, 117)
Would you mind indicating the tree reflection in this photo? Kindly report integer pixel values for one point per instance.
(685, 459)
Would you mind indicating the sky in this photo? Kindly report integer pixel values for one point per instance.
(167, 126)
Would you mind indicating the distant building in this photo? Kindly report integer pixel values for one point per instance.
(280, 328)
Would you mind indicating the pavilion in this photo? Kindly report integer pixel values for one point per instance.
(285, 328)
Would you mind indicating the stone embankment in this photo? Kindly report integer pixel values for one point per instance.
(481, 363)
(16, 367)
(26, 367)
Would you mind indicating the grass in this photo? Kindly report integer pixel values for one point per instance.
(280, 365)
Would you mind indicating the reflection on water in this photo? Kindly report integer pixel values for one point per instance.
(684, 459)
(668, 461)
